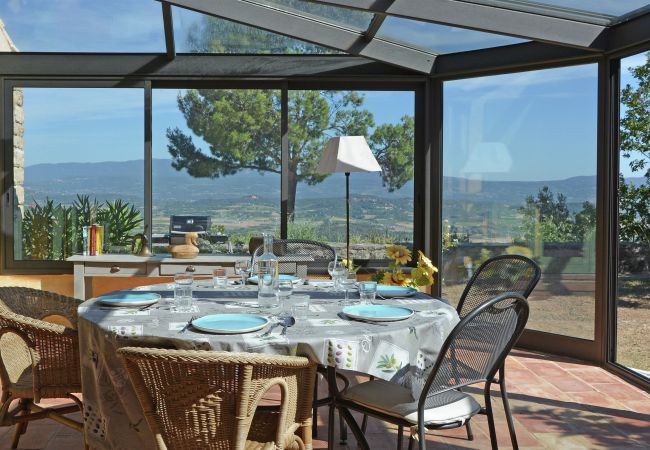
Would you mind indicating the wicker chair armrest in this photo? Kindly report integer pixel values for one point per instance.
(36, 303)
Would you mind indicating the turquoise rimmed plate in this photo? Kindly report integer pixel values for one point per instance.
(378, 313)
(129, 298)
(230, 323)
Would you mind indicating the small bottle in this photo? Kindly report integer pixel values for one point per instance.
(267, 275)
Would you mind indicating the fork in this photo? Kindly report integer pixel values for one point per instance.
(189, 322)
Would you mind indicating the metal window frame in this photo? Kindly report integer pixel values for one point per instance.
(373, 83)
(9, 264)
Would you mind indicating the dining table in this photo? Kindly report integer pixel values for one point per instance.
(113, 418)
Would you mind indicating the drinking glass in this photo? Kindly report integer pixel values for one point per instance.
(219, 278)
(367, 292)
(183, 291)
(336, 269)
(300, 306)
(243, 269)
(285, 289)
(349, 283)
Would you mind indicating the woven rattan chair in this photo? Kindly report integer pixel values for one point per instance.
(439, 404)
(195, 399)
(305, 258)
(38, 359)
(504, 273)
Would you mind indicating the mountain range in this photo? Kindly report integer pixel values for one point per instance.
(109, 180)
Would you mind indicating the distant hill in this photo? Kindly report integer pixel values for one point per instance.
(108, 180)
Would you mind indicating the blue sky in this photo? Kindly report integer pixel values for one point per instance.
(525, 126)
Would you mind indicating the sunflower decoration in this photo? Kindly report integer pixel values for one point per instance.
(421, 275)
(399, 253)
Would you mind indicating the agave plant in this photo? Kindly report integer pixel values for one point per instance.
(38, 230)
(120, 219)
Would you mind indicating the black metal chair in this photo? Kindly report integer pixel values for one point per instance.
(492, 328)
(301, 257)
(503, 273)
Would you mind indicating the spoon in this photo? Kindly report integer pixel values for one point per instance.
(286, 323)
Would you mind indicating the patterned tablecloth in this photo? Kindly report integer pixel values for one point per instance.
(113, 419)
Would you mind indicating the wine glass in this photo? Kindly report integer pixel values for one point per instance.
(243, 269)
(348, 283)
(336, 269)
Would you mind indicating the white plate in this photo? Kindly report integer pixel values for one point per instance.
(378, 313)
(230, 323)
(283, 277)
(129, 298)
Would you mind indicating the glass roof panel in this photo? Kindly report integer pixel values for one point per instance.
(604, 9)
(84, 25)
(439, 39)
(349, 18)
(200, 33)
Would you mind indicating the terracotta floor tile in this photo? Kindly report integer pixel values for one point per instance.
(558, 403)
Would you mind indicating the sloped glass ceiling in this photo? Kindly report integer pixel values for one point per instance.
(349, 18)
(200, 33)
(439, 39)
(115, 26)
(589, 10)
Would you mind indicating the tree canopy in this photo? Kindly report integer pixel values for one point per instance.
(242, 126)
(634, 199)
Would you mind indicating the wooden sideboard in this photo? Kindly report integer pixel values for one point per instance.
(139, 266)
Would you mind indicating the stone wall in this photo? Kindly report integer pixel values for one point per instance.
(7, 45)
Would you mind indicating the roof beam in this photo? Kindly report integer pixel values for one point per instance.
(479, 17)
(525, 56)
(374, 26)
(631, 33)
(126, 67)
(311, 30)
(169, 30)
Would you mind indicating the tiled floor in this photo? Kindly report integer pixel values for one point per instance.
(557, 404)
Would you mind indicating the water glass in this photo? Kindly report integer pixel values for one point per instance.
(183, 291)
(219, 278)
(243, 269)
(367, 292)
(300, 306)
(285, 289)
(267, 292)
(348, 282)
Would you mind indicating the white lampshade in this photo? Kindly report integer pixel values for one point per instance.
(348, 154)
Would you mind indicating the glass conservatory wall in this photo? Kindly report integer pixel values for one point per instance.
(72, 169)
(633, 299)
(519, 176)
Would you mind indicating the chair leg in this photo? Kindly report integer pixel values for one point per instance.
(330, 428)
(21, 427)
(470, 434)
(506, 407)
(400, 435)
(411, 441)
(364, 423)
(362, 443)
(343, 431)
(490, 416)
(422, 437)
(314, 429)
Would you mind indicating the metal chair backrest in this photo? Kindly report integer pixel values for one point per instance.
(504, 273)
(477, 347)
(195, 399)
(299, 257)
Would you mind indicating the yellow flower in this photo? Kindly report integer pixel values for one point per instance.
(399, 253)
(398, 277)
(425, 264)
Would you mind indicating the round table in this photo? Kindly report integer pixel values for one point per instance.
(113, 419)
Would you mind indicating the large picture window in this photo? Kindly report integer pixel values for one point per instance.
(73, 168)
(520, 177)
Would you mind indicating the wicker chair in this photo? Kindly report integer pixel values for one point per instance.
(38, 359)
(306, 257)
(210, 400)
(436, 401)
(503, 273)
